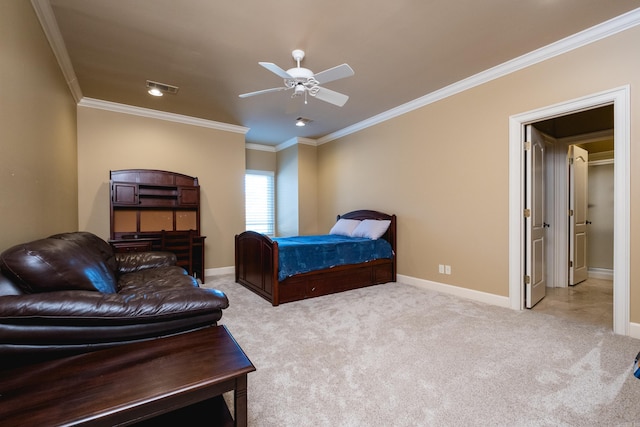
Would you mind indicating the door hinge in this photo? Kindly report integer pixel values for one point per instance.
(570, 264)
(527, 145)
(527, 213)
(570, 160)
(527, 279)
(570, 212)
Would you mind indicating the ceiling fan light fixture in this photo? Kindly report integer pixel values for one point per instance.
(299, 89)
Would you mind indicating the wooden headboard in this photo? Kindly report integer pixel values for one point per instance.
(389, 235)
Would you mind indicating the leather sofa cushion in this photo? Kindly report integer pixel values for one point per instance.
(130, 262)
(55, 264)
(168, 277)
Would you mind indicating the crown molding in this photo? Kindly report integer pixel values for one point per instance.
(52, 31)
(289, 143)
(575, 41)
(296, 141)
(286, 144)
(260, 147)
(160, 115)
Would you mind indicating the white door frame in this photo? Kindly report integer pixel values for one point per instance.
(619, 97)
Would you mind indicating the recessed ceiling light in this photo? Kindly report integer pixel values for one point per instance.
(159, 89)
(301, 121)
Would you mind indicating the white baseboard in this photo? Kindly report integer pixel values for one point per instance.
(634, 330)
(456, 290)
(601, 273)
(219, 271)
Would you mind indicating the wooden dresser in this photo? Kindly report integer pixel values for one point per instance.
(146, 202)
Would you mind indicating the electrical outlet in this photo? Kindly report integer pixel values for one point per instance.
(447, 269)
(441, 268)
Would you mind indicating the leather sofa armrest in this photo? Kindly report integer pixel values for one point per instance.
(130, 262)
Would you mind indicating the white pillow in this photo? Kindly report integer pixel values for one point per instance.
(371, 228)
(344, 227)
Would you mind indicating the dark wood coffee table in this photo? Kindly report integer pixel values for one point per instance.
(128, 384)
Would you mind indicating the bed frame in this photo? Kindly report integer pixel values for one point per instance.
(257, 267)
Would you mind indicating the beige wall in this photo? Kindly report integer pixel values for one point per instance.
(110, 140)
(38, 164)
(297, 191)
(261, 160)
(443, 169)
(287, 200)
(308, 190)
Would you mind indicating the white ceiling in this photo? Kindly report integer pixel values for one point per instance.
(400, 50)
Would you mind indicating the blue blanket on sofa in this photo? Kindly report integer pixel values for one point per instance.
(301, 254)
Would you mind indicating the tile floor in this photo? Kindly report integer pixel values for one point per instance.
(590, 301)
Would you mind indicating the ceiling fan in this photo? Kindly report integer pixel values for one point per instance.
(303, 81)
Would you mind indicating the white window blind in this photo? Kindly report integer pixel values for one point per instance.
(259, 201)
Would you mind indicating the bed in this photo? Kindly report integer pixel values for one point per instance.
(258, 261)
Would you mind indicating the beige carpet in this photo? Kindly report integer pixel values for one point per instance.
(397, 355)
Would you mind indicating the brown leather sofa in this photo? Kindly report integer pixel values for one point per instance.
(70, 293)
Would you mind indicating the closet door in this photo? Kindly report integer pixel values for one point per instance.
(535, 225)
(578, 205)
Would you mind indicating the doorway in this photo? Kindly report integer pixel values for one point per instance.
(585, 293)
(591, 134)
(619, 100)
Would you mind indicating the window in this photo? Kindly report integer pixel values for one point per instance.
(259, 201)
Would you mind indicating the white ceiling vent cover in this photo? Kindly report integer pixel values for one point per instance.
(163, 87)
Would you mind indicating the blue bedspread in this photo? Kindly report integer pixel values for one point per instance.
(301, 254)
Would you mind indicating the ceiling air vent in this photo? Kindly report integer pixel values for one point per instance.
(162, 87)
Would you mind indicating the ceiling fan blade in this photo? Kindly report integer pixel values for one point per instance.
(275, 89)
(276, 70)
(335, 73)
(331, 96)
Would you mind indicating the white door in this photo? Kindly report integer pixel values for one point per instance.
(578, 224)
(534, 221)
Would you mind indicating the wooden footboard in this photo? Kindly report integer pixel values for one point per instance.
(257, 267)
(257, 264)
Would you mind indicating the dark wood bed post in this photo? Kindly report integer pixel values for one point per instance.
(275, 289)
(391, 238)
